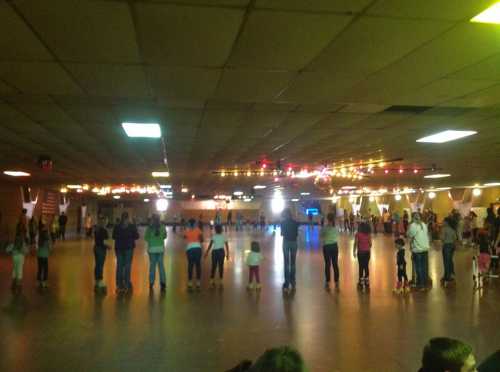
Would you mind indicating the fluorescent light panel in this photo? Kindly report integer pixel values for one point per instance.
(492, 184)
(142, 130)
(259, 187)
(438, 175)
(160, 174)
(446, 136)
(490, 15)
(16, 173)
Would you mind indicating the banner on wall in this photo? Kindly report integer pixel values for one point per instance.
(49, 204)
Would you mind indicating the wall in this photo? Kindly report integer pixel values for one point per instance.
(10, 208)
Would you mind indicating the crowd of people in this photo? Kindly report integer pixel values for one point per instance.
(440, 354)
(125, 233)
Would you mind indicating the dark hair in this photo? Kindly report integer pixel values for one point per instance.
(399, 242)
(282, 359)
(452, 222)
(218, 229)
(255, 246)
(484, 244)
(155, 224)
(331, 218)
(43, 233)
(124, 216)
(364, 228)
(192, 222)
(444, 354)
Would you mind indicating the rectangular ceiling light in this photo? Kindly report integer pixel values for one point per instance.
(74, 186)
(259, 187)
(160, 174)
(438, 175)
(142, 130)
(490, 15)
(16, 173)
(446, 136)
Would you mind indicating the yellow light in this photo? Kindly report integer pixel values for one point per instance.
(236, 173)
(74, 186)
(249, 174)
(184, 189)
(381, 164)
(490, 15)
(223, 174)
(64, 190)
(85, 187)
(476, 192)
(261, 172)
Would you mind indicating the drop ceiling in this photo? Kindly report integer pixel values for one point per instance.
(233, 81)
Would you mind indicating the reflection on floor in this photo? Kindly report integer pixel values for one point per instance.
(69, 328)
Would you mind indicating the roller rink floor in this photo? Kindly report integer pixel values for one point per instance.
(70, 328)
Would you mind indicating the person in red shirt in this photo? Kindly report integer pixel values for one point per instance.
(362, 247)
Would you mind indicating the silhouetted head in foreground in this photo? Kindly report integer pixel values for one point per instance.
(282, 359)
(442, 354)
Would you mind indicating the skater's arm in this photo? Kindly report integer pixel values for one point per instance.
(355, 246)
(227, 250)
(209, 248)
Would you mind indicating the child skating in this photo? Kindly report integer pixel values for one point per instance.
(42, 253)
(402, 285)
(18, 250)
(217, 245)
(253, 261)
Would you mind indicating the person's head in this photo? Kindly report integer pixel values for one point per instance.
(491, 363)
(364, 228)
(125, 219)
(331, 219)
(443, 354)
(255, 247)
(399, 243)
(286, 214)
(101, 222)
(192, 223)
(62, 213)
(24, 211)
(218, 229)
(281, 359)
(415, 216)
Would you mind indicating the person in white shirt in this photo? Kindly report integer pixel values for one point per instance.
(418, 236)
(217, 245)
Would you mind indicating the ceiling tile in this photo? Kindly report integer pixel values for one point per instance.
(317, 87)
(187, 36)
(252, 85)
(17, 42)
(284, 40)
(443, 90)
(111, 80)
(38, 78)
(489, 69)
(454, 10)
(6, 89)
(315, 5)
(441, 57)
(237, 3)
(184, 83)
(370, 44)
(84, 31)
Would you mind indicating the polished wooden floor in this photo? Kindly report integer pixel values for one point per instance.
(69, 328)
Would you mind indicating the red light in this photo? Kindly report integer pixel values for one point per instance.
(415, 171)
(401, 171)
(386, 171)
(264, 165)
